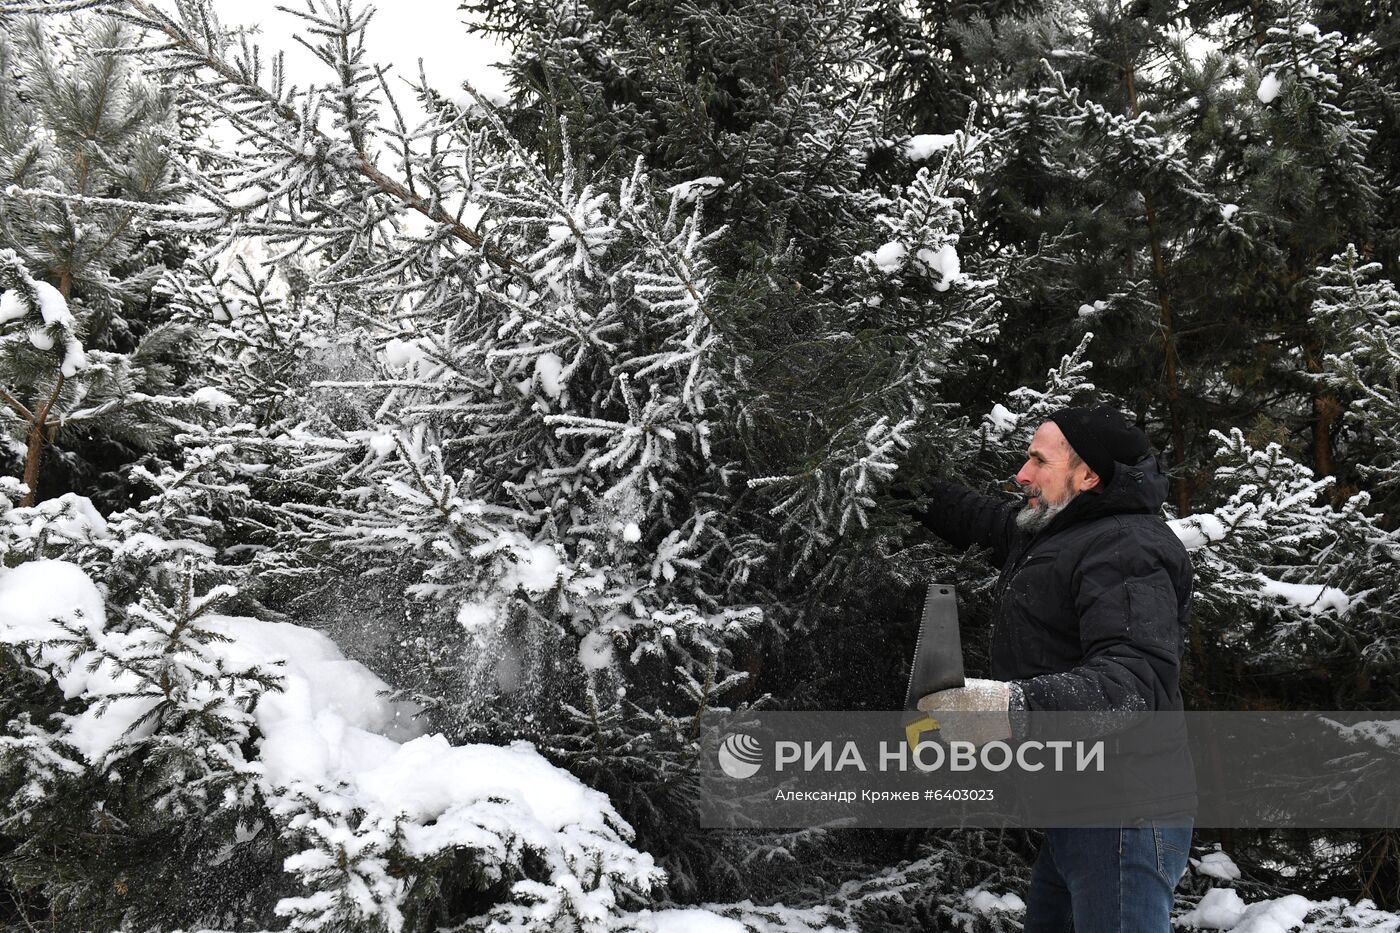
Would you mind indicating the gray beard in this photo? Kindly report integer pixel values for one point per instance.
(1033, 518)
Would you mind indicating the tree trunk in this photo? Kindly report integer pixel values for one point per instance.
(34, 453)
(1171, 365)
(1379, 863)
(1326, 410)
(38, 422)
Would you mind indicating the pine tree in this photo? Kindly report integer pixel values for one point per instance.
(1159, 197)
(1373, 93)
(51, 382)
(76, 125)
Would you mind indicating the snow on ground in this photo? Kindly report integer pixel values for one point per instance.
(985, 902)
(331, 736)
(1219, 909)
(329, 724)
(1276, 915)
(1223, 908)
(1216, 865)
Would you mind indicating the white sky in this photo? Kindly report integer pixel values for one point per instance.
(401, 32)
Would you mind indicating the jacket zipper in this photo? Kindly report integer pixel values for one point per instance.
(1000, 625)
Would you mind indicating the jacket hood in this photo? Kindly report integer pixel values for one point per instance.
(1136, 488)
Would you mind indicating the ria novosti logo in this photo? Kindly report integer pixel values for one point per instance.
(740, 755)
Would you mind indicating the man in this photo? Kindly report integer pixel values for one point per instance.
(1090, 614)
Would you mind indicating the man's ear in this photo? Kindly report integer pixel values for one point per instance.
(1091, 481)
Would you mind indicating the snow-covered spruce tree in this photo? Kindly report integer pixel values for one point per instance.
(529, 451)
(129, 794)
(1294, 607)
(413, 876)
(821, 192)
(1359, 312)
(74, 124)
(1288, 585)
(535, 401)
(1008, 429)
(854, 309)
(172, 767)
(241, 482)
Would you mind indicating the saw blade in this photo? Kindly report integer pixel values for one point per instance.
(938, 658)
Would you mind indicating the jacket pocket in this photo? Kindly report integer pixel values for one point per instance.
(1152, 613)
(1035, 564)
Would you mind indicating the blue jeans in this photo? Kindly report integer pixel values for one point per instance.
(1109, 880)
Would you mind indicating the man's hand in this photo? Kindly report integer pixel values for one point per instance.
(988, 700)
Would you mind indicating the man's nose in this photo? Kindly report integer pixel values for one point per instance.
(1022, 477)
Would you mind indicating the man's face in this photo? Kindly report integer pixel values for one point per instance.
(1048, 478)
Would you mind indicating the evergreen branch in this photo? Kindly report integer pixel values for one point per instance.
(555, 201)
(22, 8)
(145, 207)
(209, 58)
(14, 403)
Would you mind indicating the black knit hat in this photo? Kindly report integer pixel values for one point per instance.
(1101, 436)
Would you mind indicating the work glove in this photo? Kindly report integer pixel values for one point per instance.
(989, 700)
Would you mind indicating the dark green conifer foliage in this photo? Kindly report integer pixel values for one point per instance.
(76, 124)
(1183, 181)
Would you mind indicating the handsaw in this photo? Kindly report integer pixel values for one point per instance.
(938, 658)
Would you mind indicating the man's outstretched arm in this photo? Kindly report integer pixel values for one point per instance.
(964, 518)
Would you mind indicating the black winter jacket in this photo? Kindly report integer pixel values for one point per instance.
(1091, 611)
